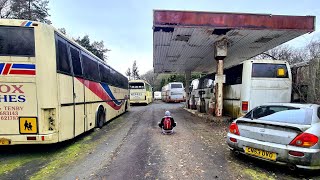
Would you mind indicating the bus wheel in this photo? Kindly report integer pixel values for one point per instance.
(126, 107)
(100, 117)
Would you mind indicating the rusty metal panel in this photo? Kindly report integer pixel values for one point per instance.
(233, 20)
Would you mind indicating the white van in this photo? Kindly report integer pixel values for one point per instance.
(173, 92)
(157, 95)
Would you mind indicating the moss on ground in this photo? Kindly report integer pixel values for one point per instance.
(256, 175)
(14, 163)
(55, 159)
(64, 157)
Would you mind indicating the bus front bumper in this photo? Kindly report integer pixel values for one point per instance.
(28, 139)
(138, 101)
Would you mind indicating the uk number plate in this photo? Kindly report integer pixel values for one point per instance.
(261, 153)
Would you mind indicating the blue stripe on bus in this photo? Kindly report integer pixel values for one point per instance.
(107, 89)
(28, 24)
(1, 67)
(24, 66)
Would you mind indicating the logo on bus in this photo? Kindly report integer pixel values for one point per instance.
(12, 93)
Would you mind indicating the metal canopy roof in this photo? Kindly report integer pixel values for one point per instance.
(183, 40)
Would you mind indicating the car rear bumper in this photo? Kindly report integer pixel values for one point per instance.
(33, 139)
(310, 160)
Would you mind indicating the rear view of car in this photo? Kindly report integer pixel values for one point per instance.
(282, 133)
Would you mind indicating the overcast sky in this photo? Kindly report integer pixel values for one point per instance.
(126, 25)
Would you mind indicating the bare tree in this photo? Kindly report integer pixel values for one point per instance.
(284, 52)
(313, 49)
(128, 73)
(150, 77)
(135, 71)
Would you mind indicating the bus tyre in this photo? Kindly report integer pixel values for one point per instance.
(100, 118)
(126, 107)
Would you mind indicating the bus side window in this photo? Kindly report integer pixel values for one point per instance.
(234, 75)
(76, 63)
(105, 73)
(116, 81)
(63, 63)
(112, 80)
(90, 68)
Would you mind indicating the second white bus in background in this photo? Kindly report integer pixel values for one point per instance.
(173, 92)
(248, 84)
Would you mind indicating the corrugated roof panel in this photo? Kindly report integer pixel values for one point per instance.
(199, 37)
(176, 48)
(162, 38)
(190, 47)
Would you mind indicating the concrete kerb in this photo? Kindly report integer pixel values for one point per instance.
(210, 118)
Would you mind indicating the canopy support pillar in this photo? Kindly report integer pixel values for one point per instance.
(220, 52)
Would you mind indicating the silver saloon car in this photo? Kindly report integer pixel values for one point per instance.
(284, 133)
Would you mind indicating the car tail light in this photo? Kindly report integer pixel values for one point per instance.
(234, 129)
(245, 106)
(233, 139)
(296, 153)
(304, 140)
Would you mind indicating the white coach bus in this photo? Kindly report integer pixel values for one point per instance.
(250, 84)
(52, 89)
(173, 92)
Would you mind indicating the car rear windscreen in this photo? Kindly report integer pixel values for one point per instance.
(17, 41)
(175, 86)
(267, 70)
(282, 114)
(136, 85)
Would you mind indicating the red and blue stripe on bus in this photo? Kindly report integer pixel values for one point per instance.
(26, 23)
(17, 69)
(103, 91)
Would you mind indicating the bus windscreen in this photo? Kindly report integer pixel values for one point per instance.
(136, 85)
(17, 41)
(264, 70)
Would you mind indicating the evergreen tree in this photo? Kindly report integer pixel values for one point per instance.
(96, 48)
(35, 10)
